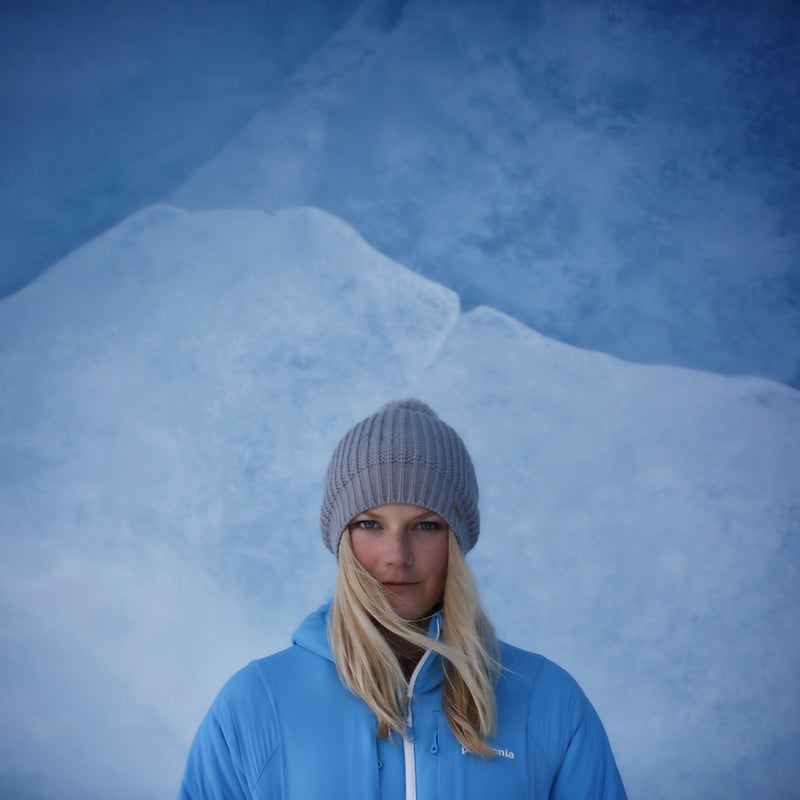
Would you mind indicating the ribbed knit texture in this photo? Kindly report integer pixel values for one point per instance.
(402, 454)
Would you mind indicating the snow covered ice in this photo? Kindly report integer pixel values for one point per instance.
(172, 389)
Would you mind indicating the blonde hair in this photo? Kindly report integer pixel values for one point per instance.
(361, 617)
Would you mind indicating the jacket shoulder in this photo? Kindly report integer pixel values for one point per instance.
(544, 677)
(239, 734)
(254, 689)
(553, 702)
(562, 724)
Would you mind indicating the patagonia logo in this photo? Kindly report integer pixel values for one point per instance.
(498, 751)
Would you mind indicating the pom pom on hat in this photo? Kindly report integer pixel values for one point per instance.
(412, 405)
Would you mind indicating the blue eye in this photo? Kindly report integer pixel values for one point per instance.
(366, 524)
(430, 525)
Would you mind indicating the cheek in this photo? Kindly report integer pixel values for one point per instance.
(437, 559)
(443, 571)
(363, 551)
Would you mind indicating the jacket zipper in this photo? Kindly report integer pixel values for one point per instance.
(408, 745)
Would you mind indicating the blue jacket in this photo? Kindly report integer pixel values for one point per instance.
(285, 727)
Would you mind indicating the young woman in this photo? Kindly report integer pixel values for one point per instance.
(398, 688)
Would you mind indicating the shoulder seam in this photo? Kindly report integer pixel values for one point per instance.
(254, 790)
(275, 718)
(528, 736)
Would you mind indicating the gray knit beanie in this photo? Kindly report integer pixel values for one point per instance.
(402, 454)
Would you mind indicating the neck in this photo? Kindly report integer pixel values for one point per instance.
(408, 653)
(402, 648)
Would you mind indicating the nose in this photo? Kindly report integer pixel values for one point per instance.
(398, 548)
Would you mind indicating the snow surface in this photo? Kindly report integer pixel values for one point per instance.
(172, 392)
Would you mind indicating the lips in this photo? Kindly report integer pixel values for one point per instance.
(397, 585)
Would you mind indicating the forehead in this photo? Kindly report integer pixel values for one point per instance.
(397, 511)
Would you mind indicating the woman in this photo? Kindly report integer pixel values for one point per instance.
(398, 687)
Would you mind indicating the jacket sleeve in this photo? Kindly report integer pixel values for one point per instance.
(234, 744)
(211, 769)
(588, 770)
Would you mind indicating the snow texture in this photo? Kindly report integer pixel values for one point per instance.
(172, 392)
(487, 206)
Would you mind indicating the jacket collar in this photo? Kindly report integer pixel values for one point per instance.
(313, 635)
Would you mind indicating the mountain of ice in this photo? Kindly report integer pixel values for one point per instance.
(171, 394)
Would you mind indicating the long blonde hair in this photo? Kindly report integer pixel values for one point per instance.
(370, 668)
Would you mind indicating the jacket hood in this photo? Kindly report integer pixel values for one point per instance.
(313, 633)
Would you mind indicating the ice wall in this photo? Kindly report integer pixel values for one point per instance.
(620, 177)
(171, 394)
(646, 520)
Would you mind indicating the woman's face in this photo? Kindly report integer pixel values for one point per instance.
(404, 547)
